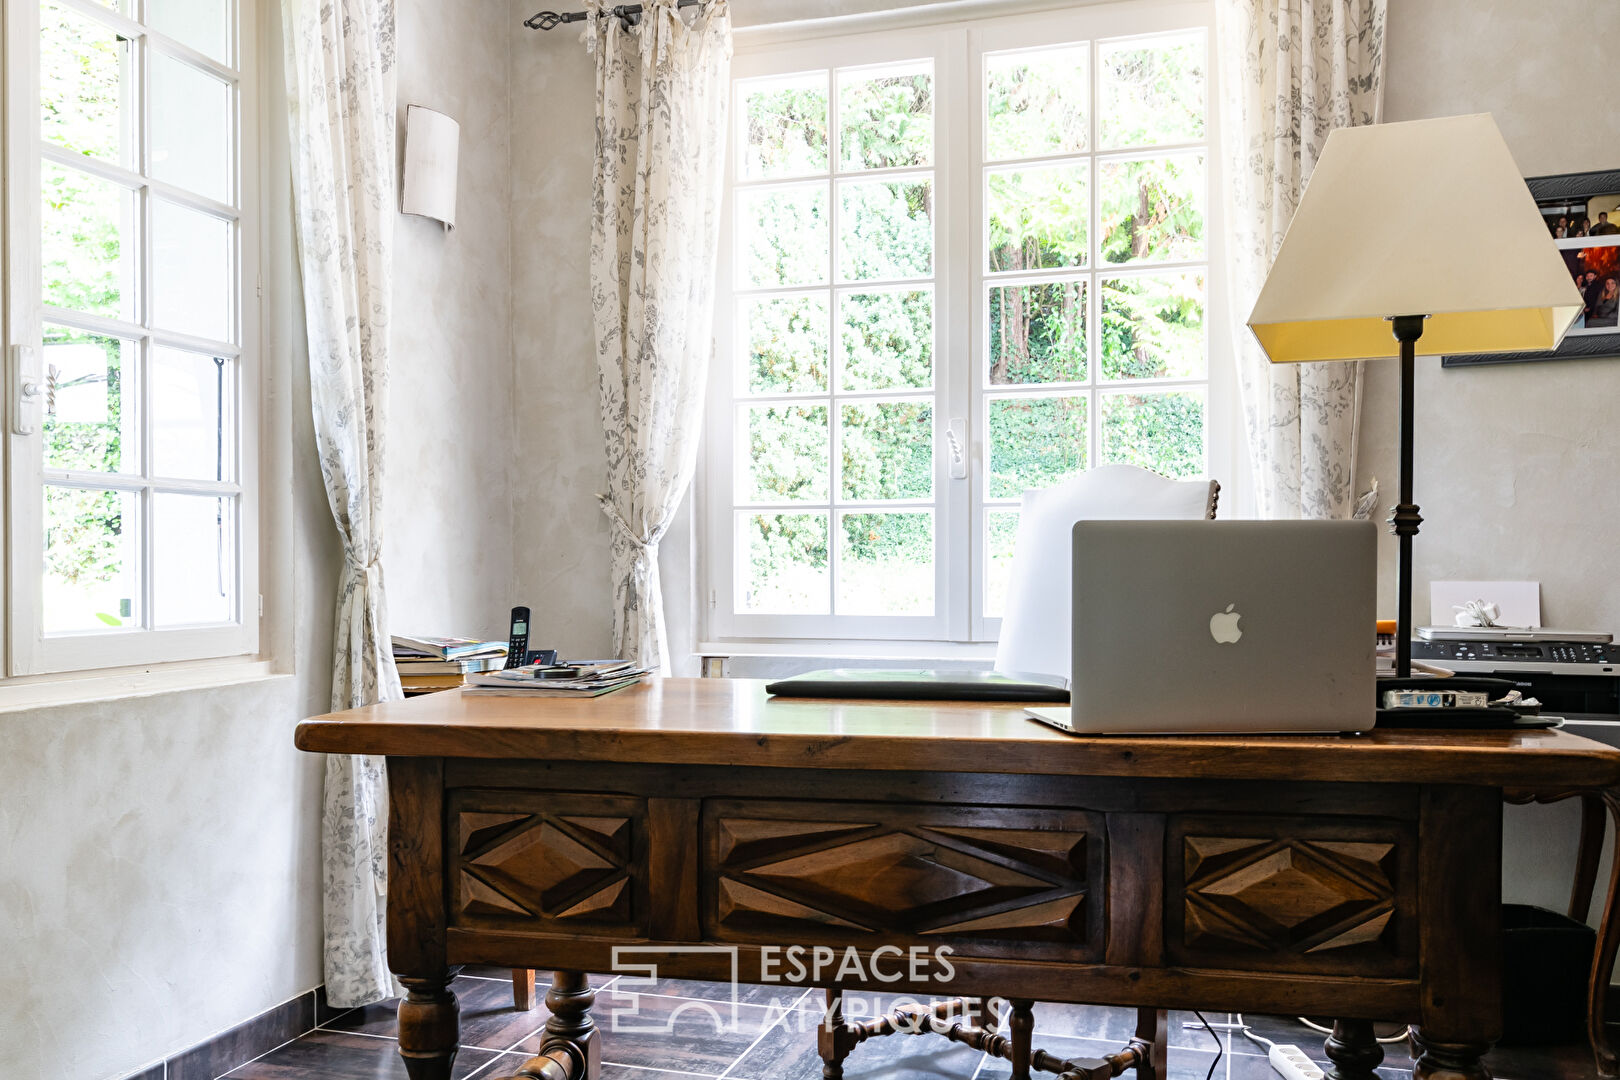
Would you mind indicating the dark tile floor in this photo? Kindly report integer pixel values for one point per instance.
(678, 1030)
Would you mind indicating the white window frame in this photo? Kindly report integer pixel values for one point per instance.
(957, 50)
(29, 650)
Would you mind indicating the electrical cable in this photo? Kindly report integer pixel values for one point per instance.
(1399, 1036)
(1219, 1049)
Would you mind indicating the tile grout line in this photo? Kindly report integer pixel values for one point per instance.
(787, 1012)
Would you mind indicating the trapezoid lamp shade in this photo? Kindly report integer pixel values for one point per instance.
(1430, 217)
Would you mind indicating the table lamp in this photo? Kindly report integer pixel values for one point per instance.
(1406, 231)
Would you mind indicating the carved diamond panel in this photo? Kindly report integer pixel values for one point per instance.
(568, 860)
(1290, 895)
(784, 871)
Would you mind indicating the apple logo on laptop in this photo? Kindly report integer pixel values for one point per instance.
(1223, 625)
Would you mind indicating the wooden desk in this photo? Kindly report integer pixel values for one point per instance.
(1350, 877)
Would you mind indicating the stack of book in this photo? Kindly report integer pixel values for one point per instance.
(586, 679)
(430, 664)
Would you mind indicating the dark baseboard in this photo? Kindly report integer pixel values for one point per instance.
(213, 1058)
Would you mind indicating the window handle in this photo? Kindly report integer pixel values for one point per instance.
(25, 409)
(956, 443)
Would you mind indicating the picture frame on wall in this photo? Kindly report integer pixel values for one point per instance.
(1582, 212)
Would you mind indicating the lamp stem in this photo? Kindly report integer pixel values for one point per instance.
(1405, 519)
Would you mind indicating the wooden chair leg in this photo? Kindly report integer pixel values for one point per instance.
(1021, 1030)
(522, 989)
(1594, 818)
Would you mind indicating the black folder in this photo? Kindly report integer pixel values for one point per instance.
(923, 685)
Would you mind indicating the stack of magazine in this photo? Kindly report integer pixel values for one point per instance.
(584, 679)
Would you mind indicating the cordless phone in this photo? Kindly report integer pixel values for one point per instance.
(517, 643)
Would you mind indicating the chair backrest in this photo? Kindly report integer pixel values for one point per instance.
(1035, 624)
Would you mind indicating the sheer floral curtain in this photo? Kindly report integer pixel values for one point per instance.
(1291, 71)
(341, 96)
(662, 90)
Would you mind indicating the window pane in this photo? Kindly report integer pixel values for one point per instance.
(1163, 432)
(1037, 218)
(92, 560)
(887, 450)
(1001, 534)
(193, 559)
(885, 230)
(86, 87)
(785, 131)
(787, 344)
(205, 25)
(782, 564)
(191, 272)
(193, 415)
(90, 422)
(1152, 90)
(886, 119)
(888, 339)
(1035, 103)
(87, 243)
(886, 564)
(1153, 327)
(788, 453)
(1038, 333)
(191, 132)
(1153, 210)
(786, 233)
(1035, 442)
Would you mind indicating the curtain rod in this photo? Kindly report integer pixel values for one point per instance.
(630, 13)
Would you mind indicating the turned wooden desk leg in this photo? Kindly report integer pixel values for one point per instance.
(570, 1045)
(429, 1027)
(1448, 1060)
(1353, 1049)
(1152, 1044)
(833, 1040)
(1021, 1030)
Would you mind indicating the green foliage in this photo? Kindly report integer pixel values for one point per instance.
(1038, 218)
(886, 121)
(1163, 432)
(1038, 333)
(787, 446)
(887, 450)
(787, 563)
(1152, 209)
(1035, 442)
(787, 345)
(888, 339)
(786, 131)
(1153, 94)
(886, 230)
(1035, 103)
(1153, 326)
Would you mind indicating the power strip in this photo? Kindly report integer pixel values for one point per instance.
(1292, 1064)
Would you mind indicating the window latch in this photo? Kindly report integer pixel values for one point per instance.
(25, 407)
(956, 443)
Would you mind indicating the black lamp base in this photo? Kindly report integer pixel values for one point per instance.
(1404, 518)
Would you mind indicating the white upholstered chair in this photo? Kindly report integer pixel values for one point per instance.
(1035, 627)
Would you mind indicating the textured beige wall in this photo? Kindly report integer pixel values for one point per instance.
(161, 879)
(1516, 465)
(560, 557)
(447, 544)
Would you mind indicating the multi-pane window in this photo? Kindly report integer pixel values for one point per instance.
(964, 263)
(834, 489)
(130, 507)
(1094, 281)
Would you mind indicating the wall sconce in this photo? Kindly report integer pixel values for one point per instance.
(432, 147)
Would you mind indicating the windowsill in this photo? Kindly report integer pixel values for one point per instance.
(85, 688)
(838, 649)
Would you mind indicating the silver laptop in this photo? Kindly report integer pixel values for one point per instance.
(1222, 626)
